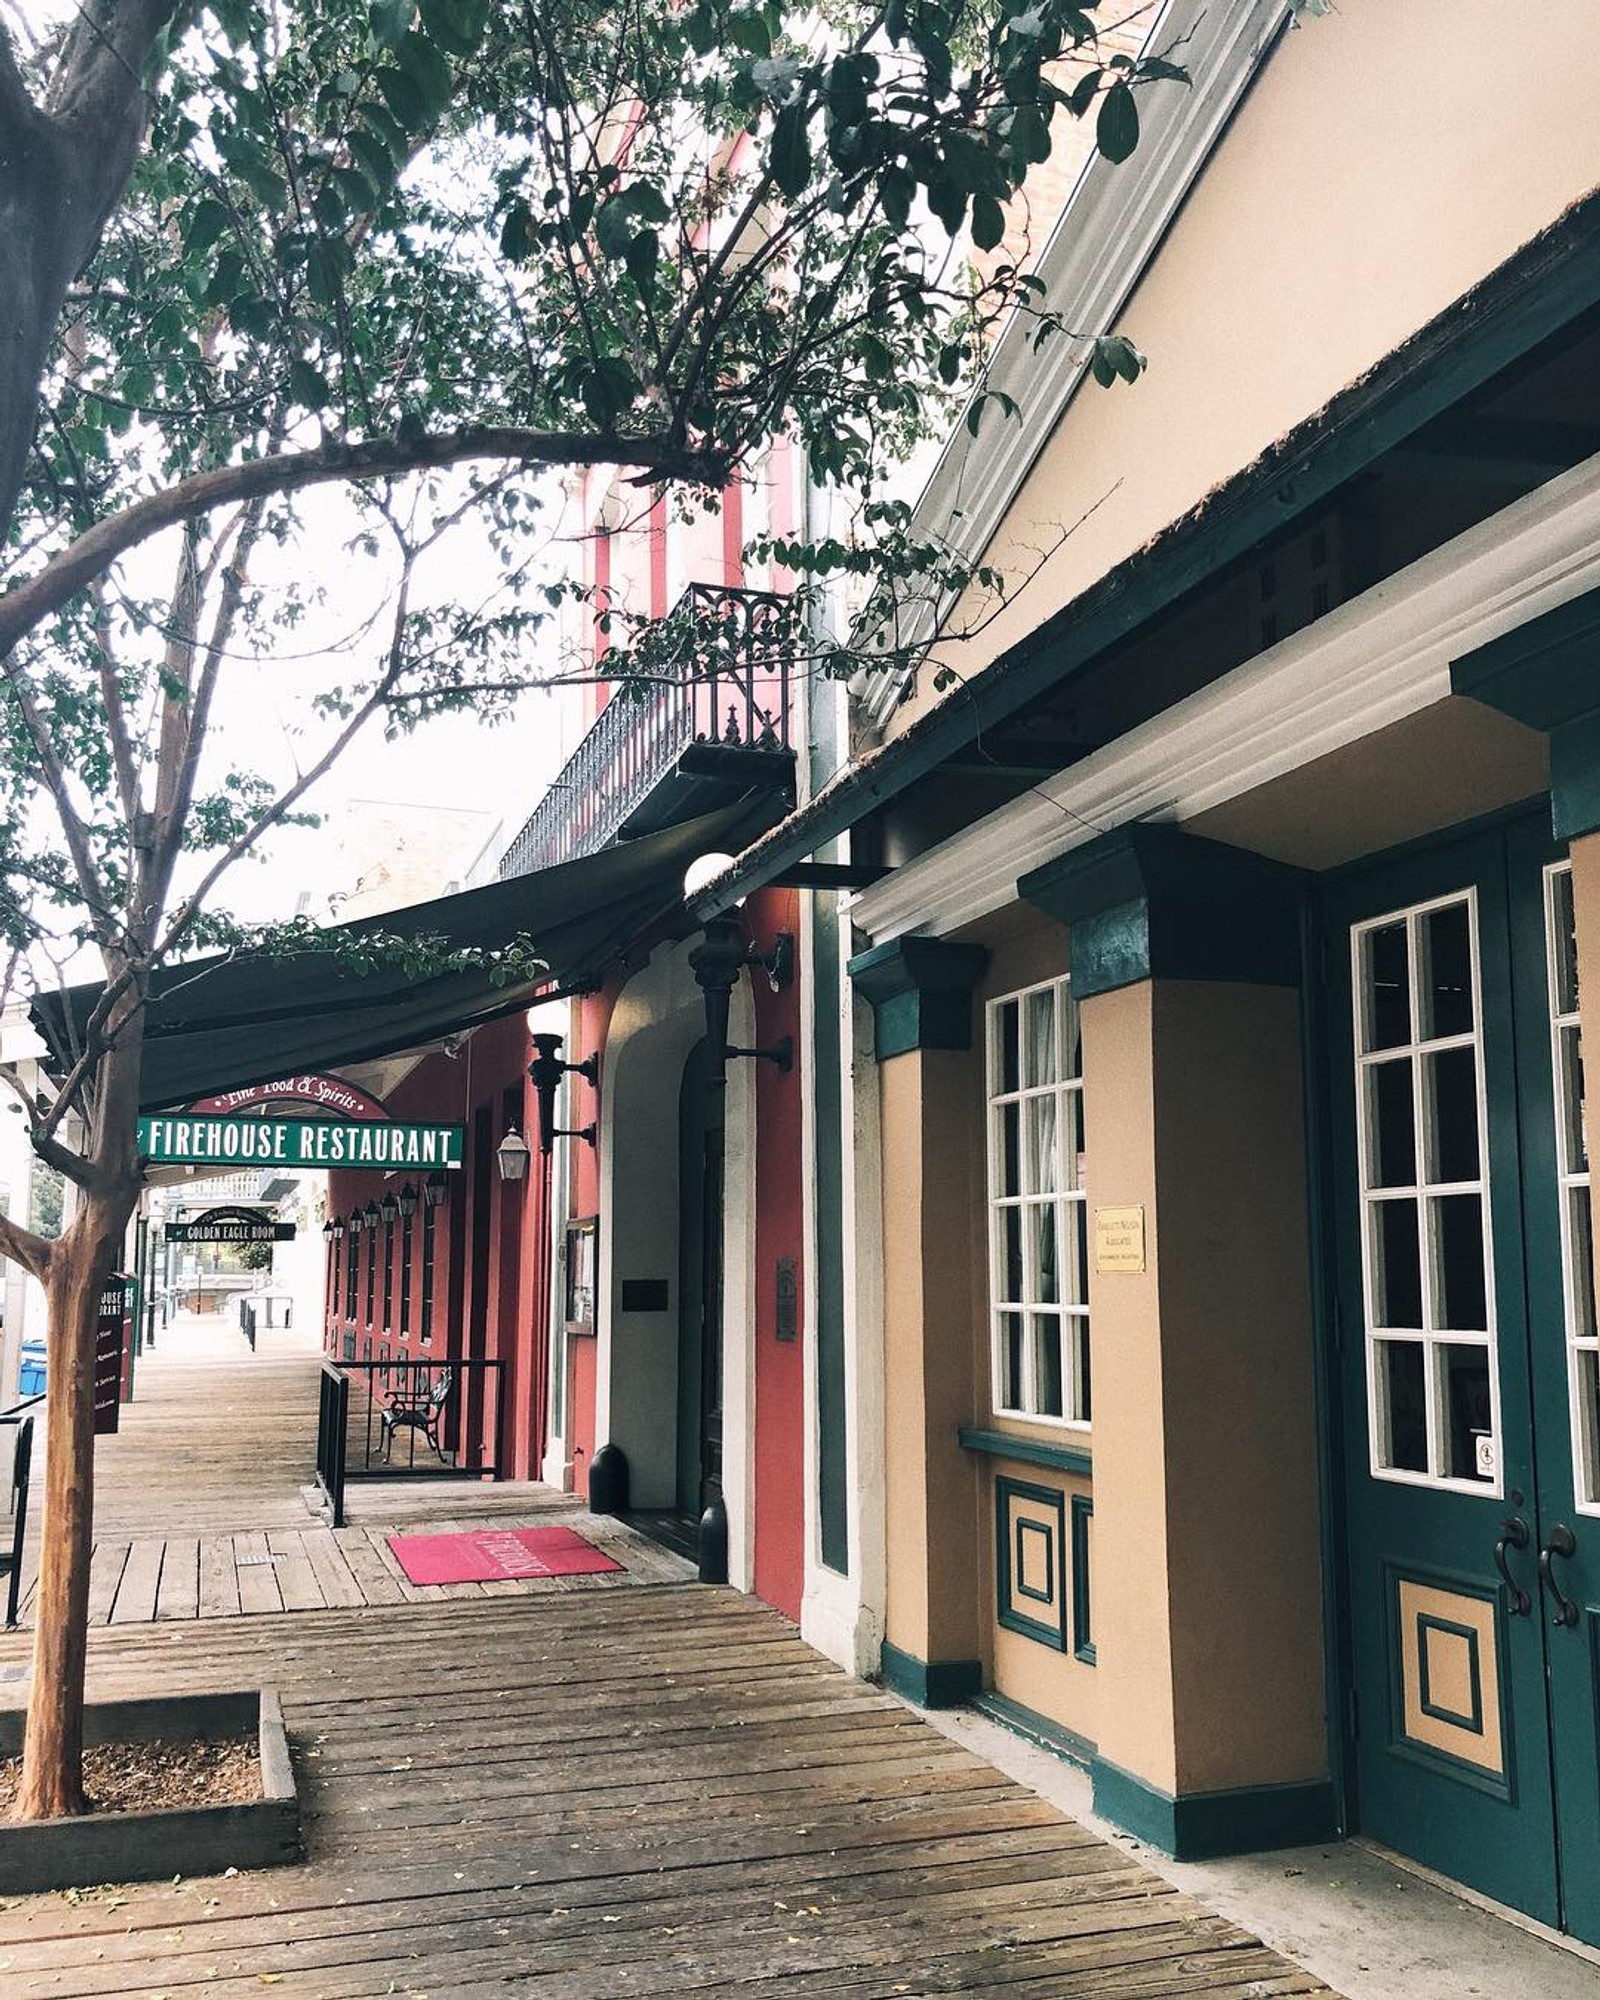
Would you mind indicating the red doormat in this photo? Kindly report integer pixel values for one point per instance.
(492, 1555)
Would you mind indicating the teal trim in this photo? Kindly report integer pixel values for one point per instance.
(1151, 902)
(1198, 1826)
(1051, 1632)
(1037, 1728)
(929, 1683)
(1535, 294)
(1026, 1451)
(1472, 1718)
(1082, 1623)
(1543, 676)
(1023, 1587)
(921, 993)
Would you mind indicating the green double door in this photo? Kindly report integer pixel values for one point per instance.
(1469, 1363)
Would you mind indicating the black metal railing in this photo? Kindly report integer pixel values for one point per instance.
(333, 1432)
(19, 1417)
(427, 1419)
(714, 671)
(247, 1323)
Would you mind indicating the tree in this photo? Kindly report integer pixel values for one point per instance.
(423, 253)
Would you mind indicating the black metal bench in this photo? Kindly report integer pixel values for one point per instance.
(418, 1413)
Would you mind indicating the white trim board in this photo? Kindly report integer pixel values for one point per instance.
(1110, 227)
(1383, 656)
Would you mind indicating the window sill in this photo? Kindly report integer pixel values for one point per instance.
(1026, 1450)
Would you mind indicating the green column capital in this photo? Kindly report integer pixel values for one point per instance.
(1546, 675)
(1153, 902)
(921, 992)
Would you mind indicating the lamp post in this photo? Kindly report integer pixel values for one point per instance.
(721, 955)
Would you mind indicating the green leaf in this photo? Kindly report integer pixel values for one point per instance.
(1116, 131)
(456, 25)
(642, 256)
(988, 222)
(206, 224)
(403, 97)
(1083, 92)
(428, 70)
(391, 21)
(790, 158)
(308, 385)
(516, 232)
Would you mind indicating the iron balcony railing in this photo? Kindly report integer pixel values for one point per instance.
(715, 672)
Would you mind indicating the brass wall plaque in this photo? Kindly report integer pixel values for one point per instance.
(1119, 1239)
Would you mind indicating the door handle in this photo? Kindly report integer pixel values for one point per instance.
(1513, 1535)
(1562, 1542)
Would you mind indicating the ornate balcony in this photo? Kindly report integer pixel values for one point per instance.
(708, 727)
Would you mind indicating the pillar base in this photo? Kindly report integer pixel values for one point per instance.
(930, 1683)
(1198, 1826)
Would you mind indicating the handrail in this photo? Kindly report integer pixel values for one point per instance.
(333, 1416)
(472, 1405)
(719, 668)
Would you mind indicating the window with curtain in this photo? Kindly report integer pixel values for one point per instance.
(1038, 1244)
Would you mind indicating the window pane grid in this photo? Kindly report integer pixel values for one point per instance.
(1573, 1185)
(1038, 1261)
(1421, 1118)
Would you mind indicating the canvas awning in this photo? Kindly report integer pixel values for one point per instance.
(221, 1022)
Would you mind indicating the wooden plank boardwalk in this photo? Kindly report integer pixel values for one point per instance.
(200, 1507)
(658, 1791)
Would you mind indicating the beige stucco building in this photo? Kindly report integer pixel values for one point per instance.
(1222, 1300)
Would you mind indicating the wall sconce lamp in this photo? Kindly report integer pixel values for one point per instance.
(547, 1069)
(406, 1202)
(717, 961)
(389, 1208)
(513, 1155)
(436, 1188)
(329, 1235)
(370, 1217)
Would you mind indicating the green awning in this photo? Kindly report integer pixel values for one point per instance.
(221, 1022)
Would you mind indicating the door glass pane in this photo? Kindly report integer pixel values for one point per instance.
(1460, 1297)
(1394, 1161)
(1402, 1406)
(1563, 942)
(1450, 1095)
(1078, 1327)
(1580, 1260)
(1077, 1227)
(1574, 1136)
(1467, 1412)
(1386, 984)
(1586, 1397)
(1446, 969)
(1397, 1265)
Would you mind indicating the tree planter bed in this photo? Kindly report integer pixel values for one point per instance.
(150, 1846)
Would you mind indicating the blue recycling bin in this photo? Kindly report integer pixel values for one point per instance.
(35, 1369)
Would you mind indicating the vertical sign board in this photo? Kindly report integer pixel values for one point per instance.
(110, 1355)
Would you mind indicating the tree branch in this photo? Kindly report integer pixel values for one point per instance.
(32, 1252)
(22, 607)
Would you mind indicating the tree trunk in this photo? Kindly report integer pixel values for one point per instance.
(52, 1766)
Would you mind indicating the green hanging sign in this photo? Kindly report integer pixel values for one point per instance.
(182, 1139)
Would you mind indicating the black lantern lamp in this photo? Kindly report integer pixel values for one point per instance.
(389, 1208)
(370, 1217)
(547, 1069)
(436, 1188)
(338, 1230)
(406, 1202)
(721, 955)
(327, 1231)
(513, 1155)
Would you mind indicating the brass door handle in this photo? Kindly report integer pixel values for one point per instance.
(1513, 1535)
(1561, 1542)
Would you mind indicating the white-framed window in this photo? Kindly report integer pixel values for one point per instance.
(1038, 1247)
(1433, 1380)
(1573, 1185)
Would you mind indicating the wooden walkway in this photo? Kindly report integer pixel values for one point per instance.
(201, 1509)
(657, 1792)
